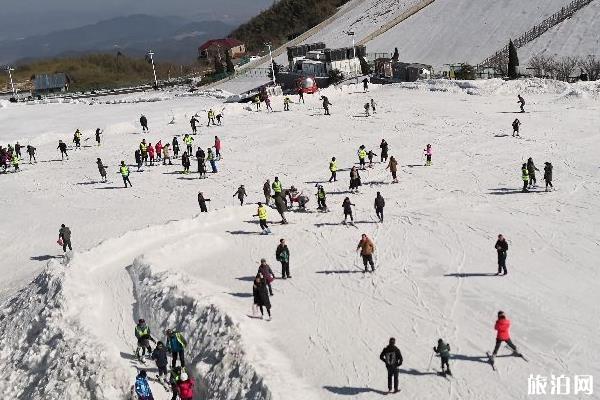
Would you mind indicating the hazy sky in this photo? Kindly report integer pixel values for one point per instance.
(19, 18)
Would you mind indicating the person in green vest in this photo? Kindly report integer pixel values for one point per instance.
(525, 177)
(143, 336)
(362, 155)
(144, 151)
(333, 169)
(188, 140)
(261, 213)
(277, 187)
(321, 196)
(211, 117)
(15, 161)
(286, 103)
(443, 349)
(124, 170)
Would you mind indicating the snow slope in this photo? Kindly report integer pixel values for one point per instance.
(144, 252)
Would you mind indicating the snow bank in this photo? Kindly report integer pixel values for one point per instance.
(214, 342)
(45, 355)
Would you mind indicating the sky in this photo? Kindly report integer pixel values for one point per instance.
(21, 18)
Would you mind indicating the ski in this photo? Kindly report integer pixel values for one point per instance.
(491, 360)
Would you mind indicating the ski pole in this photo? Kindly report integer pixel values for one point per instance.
(430, 361)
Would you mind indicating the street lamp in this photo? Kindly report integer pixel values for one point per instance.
(272, 68)
(12, 85)
(150, 54)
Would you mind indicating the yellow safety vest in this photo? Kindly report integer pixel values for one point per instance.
(525, 174)
(262, 213)
(277, 186)
(188, 140)
(333, 166)
(143, 147)
(124, 170)
(362, 154)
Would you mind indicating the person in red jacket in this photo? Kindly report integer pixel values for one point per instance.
(217, 147)
(159, 148)
(151, 153)
(185, 387)
(503, 328)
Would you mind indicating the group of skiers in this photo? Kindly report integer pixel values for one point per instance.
(528, 170)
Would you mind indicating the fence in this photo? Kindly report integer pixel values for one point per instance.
(537, 31)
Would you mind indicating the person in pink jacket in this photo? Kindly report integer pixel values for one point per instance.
(502, 328)
(158, 146)
(151, 153)
(428, 153)
(217, 147)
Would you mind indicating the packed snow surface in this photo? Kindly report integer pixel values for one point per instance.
(66, 324)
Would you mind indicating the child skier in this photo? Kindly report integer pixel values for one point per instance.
(502, 328)
(515, 125)
(443, 349)
(428, 153)
(142, 388)
(101, 169)
(548, 175)
(370, 156)
(159, 355)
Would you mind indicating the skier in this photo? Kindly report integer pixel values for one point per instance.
(77, 139)
(502, 327)
(326, 104)
(124, 170)
(176, 345)
(217, 147)
(15, 162)
(281, 207)
(501, 247)
(384, 150)
(367, 248)
(282, 254)
(393, 167)
(18, 149)
(286, 103)
(174, 378)
(211, 117)
(144, 151)
(392, 358)
(268, 104)
(256, 101)
(138, 159)
(266, 272)
(365, 84)
(347, 206)
(525, 177)
(188, 140)
(370, 156)
(366, 106)
(321, 198)
(379, 204)
(362, 155)
(185, 162)
(333, 169)
(428, 153)
(210, 157)
(373, 104)
(515, 125)
(548, 175)
(175, 143)
(151, 153)
(101, 169)
(31, 152)
(240, 193)
(354, 179)
(144, 123)
(200, 155)
(143, 336)
(267, 191)
(159, 355)
(64, 237)
(202, 202)
(158, 147)
(277, 187)
(260, 295)
(521, 101)
(193, 123)
(261, 213)
(443, 349)
(531, 168)
(98, 133)
(63, 150)
(167, 154)
(142, 387)
(219, 117)
(300, 95)
(185, 387)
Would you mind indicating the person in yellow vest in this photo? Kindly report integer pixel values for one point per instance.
(362, 155)
(124, 170)
(321, 196)
(333, 169)
(286, 103)
(188, 140)
(77, 139)
(211, 117)
(261, 213)
(15, 161)
(144, 151)
(525, 177)
(277, 188)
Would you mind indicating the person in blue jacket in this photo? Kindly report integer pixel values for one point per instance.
(176, 345)
(142, 387)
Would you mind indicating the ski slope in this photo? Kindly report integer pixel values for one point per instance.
(66, 325)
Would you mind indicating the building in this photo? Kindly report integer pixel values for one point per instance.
(314, 59)
(389, 70)
(50, 83)
(218, 47)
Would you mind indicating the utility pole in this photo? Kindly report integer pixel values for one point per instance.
(151, 53)
(272, 68)
(12, 85)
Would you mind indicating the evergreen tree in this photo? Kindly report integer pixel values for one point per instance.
(229, 63)
(513, 60)
(396, 55)
(365, 68)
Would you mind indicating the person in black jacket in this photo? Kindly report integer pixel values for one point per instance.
(282, 254)
(392, 358)
(379, 204)
(159, 355)
(384, 150)
(548, 175)
(261, 295)
(347, 206)
(144, 123)
(202, 202)
(501, 248)
(63, 150)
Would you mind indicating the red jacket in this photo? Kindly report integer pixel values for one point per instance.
(186, 389)
(503, 328)
(151, 150)
(217, 145)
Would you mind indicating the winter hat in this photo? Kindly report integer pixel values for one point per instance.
(501, 314)
(184, 376)
(143, 373)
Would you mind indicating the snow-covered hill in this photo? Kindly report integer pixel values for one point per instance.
(145, 252)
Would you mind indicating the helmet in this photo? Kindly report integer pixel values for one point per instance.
(184, 376)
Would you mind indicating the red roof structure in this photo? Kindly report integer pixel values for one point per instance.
(227, 43)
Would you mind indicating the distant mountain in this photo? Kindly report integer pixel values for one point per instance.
(171, 38)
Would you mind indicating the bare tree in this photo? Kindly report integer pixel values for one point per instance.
(565, 67)
(591, 66)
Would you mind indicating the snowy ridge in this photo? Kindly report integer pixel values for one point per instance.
(213, 338)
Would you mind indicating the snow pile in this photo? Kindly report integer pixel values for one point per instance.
(45, 355)
(214, 342)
